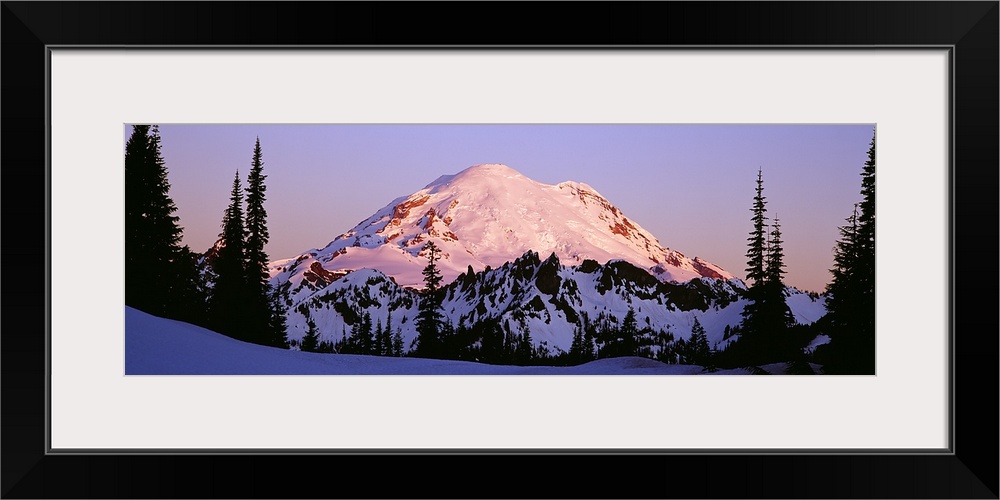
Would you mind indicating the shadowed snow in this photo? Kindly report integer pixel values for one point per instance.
(157, 346)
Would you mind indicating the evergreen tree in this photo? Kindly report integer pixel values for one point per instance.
(367, 340)
(492, 348)
(845, 257)
(757, 240)
(278, 321)
(229, 293)
(766, 317)
(698, 349)
(756, 272)
(430, 318)
(775, 266)
(576, 347)
(160, 277)
(779, 316)
(342, 346)
(310, 342)
(628, 333)
(378, 348)
(864, 362)
(386, 340)
(851, 293)
(866, 234)
(524, 347)
(354, 340)
(589, 352)
(262, 327)
(189, 290)
(397, 343)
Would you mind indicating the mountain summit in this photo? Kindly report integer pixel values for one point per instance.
(487, 215)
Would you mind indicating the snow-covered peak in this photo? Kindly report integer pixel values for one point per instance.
(486, 215)
(490, 170)
(483, 173)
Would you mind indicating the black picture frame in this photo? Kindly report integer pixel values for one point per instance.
(969, 28)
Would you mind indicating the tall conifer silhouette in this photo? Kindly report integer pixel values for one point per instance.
(229, 298)
(851, 293)
(160, 276)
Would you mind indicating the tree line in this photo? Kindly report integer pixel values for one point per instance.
(497, 341)
(228, 290)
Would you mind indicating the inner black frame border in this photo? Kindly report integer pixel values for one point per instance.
(30, 29)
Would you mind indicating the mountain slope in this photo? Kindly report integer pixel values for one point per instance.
(487, 215)
(545, 297)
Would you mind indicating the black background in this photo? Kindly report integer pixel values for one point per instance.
(971, 472)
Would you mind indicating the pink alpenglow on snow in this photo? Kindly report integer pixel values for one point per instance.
(487, 215)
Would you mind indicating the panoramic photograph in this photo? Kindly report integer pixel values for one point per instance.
(481, 249)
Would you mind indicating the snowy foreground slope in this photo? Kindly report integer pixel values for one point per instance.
(157, 346)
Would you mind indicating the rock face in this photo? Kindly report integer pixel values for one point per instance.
(545, 297)
(485, 216)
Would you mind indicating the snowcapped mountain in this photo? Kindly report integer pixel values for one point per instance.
(487, 215)
(515, 254)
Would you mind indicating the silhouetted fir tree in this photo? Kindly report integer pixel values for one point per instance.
(619, 340)
(354, 340)
(756, 259)
(866, 237)
(524, 350)
(864, 362)
(450, 348)
(778, 316)
(366, 340)
(229, 296)
(342, 346)
(628, 334)
(775, 267)
(259, 310)
(698, 349)
(491, 341)
(589, 343)
(386, 342)
(576, 347)
(430, 318)
(397, 343)
(378, 347)
(766, 316)
(842, 301)
(310, 342)
(845, 256)
(189, 292)
(851, 293)
(159, 273)
(278, 321)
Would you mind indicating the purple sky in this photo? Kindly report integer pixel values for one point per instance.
(691, 186)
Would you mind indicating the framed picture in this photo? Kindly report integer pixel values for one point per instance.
(928, 87)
